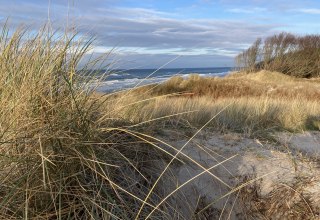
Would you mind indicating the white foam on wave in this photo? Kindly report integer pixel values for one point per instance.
(185, 76)
(114, 85)
(118, 74)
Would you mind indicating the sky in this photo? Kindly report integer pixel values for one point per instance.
(173, 34)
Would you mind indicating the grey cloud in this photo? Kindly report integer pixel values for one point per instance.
(145, 28)
(162, 32)
(135, 27)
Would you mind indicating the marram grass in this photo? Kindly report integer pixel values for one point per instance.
(59, 157)
(257, 103)
(66, 153)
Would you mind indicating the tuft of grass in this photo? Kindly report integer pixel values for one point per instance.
(47, 122)
(60, 158)
(284, 200)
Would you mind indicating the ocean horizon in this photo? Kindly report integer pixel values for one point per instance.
(119, 79)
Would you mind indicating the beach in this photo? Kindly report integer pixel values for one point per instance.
(83, 142)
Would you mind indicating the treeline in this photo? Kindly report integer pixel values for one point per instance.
(287, 53)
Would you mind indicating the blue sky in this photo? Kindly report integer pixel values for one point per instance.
(149, 33)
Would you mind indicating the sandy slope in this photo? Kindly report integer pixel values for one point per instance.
(286, 182)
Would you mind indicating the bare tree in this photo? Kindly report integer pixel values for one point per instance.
(285, 52)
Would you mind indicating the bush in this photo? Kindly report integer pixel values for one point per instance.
(293, 55)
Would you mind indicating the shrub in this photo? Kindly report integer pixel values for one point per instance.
(286, 53)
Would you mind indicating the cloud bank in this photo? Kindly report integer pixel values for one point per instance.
(146, 36)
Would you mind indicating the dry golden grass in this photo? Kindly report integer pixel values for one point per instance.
(284, 202)
(68, 154)
(256, 102)
(60, 158)
(247, 115)
(63, 155)
(263, 84)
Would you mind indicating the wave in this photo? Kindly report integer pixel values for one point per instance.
(118, 84)
(114, 85)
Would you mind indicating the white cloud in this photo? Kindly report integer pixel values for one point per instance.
(247, 10)
(309, 10)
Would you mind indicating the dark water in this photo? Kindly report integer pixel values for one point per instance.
(123, 79)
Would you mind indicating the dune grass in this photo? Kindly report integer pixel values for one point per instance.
(63, 155)
(46, 120)
(263, 83)
(67, 153)
(60, 157)
(265, 101)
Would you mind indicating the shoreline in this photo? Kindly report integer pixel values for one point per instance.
(118, 84)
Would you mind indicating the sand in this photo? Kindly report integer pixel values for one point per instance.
(280, 179)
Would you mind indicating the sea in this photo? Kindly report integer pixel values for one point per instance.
(120, 79)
